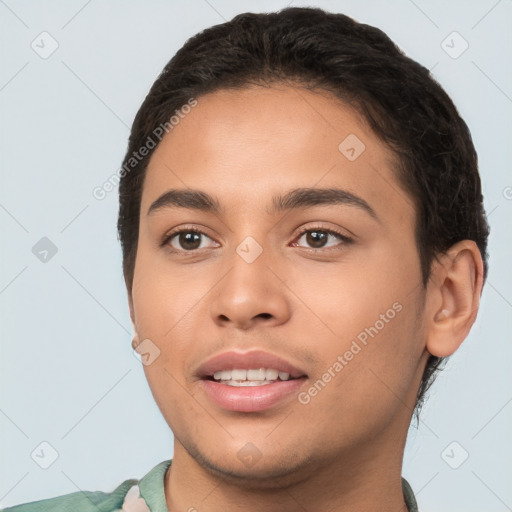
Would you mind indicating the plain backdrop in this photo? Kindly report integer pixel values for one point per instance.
(68, 374)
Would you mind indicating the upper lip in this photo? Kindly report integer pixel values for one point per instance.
(232, 360)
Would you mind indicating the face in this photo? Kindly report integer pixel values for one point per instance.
(288, 324)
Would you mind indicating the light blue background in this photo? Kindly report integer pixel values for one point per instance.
(67, 372)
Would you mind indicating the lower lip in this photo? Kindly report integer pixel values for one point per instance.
(250, 398)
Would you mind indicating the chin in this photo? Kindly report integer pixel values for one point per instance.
(255, 471)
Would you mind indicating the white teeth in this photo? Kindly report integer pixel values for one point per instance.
(258, 374)
(239, 375)
(252, 377)
(242, 383)
(271, 374)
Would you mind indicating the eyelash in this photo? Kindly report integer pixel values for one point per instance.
(343, 238)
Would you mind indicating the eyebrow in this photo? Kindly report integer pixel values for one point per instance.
(294, 199)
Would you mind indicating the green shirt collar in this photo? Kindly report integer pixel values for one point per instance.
(410, 499)
(151, 487)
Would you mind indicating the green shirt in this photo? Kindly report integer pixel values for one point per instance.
(151, 488)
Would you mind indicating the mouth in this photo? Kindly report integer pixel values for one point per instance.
(250, 377)
(249, 381)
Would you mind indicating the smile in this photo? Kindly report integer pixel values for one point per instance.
(251, 381)
(252, 377)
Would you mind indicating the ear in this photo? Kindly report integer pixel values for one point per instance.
(132, 317)
(453, 297)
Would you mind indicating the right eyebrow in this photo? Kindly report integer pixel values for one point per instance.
(191, 199)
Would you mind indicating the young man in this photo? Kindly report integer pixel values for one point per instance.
(304, 242)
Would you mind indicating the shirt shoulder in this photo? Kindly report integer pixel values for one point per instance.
(80, 501)
(410, 499)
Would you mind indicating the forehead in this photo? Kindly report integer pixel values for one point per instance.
(246, 145)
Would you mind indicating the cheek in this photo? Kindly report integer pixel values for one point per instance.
(366, 320)
(374, 376)
(343, 299)
(177, 406)
(166, 295)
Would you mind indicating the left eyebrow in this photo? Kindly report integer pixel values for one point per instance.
(308, 197)
(299, 198)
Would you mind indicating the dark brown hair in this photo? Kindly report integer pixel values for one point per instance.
(309, 47)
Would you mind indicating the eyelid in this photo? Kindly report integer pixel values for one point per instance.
(320, 226)
(345, 239)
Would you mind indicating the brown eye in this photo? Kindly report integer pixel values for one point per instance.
(319, 238)
(186, 240)
(189, 241)
(316, 239)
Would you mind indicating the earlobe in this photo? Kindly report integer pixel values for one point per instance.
(456, 286)
(135, 340)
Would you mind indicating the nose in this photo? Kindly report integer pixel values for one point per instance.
(251, 294)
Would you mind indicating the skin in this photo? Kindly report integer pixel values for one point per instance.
(303, 302)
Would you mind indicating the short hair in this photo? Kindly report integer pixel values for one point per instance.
(436, 162)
